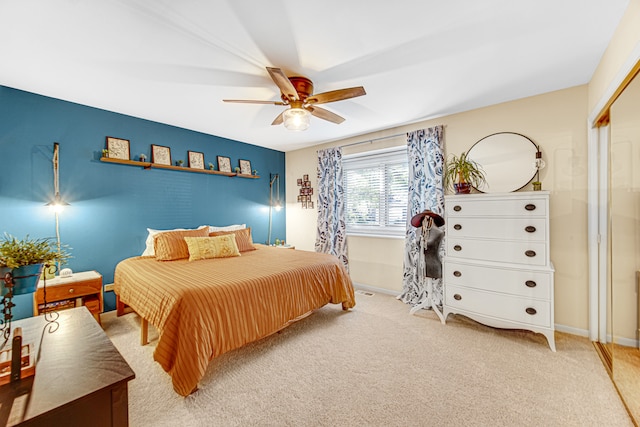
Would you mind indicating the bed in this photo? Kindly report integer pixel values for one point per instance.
(205, 308)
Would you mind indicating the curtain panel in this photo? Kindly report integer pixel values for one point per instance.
(426, 191)
(331, 237)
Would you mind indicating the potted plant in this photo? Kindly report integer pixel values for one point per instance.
(179, 163)
(24, 259)
(461, 173)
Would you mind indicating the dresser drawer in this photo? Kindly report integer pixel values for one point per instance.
(518, 252)
(521, 207)
(524, 283)
(501, 306)
(527, 229)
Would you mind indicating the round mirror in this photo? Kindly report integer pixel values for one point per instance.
(508, 160)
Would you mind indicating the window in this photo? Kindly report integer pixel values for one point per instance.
(376, 192)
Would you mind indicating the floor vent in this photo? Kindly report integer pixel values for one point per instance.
(367, 293)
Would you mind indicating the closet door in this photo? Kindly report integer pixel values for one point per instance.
(624, 244)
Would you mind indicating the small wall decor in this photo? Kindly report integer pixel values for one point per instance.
(196, 159)
(224, 164)
(160, 155)
(305, 192)
(245, 167)
(118, 148)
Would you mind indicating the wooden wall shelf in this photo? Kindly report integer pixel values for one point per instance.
(149, 165)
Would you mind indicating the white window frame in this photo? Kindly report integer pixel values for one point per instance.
(368, 159)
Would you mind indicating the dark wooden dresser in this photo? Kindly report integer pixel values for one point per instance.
(80, 378)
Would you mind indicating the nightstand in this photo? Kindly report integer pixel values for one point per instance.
(82, 288)
(285, 246)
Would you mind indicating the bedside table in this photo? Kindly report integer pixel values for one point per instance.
(285, 246)
(82, 288)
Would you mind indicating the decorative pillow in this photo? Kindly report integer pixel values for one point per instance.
(233, 227)
(170, 245)
(149, 249)
(211, 247)
(243, 238)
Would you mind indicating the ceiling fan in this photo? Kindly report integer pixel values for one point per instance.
(297, 93)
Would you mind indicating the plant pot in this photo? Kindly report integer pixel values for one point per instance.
(25, 279)
(462, 188)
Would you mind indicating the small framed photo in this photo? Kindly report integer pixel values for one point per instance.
(118, 148)
(299, 198)
(304, 205)
(307, 184)
(309, 205)
(160, 155)
(196, 159)
(299, 182)
(305, 177)
(245, 167)
(224, 164)
(310, 190)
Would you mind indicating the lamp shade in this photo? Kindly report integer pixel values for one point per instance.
(297, 119)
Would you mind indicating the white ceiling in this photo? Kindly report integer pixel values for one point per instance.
(173, 62)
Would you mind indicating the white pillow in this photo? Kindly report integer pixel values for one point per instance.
(149, 249)
(227, 227)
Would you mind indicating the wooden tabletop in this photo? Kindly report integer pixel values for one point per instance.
(76, 366)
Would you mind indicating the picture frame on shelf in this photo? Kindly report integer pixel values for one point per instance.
(245, 167)
(305, 177)
(118, 148)
(195, 159)
(160, 155)
(224, 164)
(299, 182)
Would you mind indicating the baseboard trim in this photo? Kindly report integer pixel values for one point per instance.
(376, 290)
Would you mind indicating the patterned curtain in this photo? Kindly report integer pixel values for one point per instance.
(426, 191)
(332, 231)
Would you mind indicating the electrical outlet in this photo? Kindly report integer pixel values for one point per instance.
(108, 287)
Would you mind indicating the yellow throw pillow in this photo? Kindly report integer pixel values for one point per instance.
(212, 247)
(243, 238)
(170, 246)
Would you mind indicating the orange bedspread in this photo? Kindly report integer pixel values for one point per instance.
(205, 308)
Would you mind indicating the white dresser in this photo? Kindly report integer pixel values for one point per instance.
(497, 268)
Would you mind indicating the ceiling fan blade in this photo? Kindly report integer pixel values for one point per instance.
(250, 101)
(278, 120)
(336, 95)
(325, 114)
(283, 82)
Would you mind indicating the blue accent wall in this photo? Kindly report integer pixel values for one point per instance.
(112, 205)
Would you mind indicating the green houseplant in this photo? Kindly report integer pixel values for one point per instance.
(461, 173)
(24, 259)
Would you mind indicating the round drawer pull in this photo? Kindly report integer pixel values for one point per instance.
(531, 310)
(530, 207)
(457, 227)
(530, 229)
(457, 248)
(457, 297)
(71, 290)
(530, 284)
(530, 253)
(457, 273)
(457, 208)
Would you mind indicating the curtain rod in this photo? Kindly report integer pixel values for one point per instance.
(373, 140)
(381, 138)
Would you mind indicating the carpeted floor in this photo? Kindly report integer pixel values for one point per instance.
(376, 365)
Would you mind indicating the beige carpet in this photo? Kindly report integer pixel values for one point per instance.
(379, 366)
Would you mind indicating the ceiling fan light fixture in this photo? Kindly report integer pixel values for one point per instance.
(297, 119)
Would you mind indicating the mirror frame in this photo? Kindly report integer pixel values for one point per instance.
(524, 163)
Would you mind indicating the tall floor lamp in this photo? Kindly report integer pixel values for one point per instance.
(57, 205)
(273, 178)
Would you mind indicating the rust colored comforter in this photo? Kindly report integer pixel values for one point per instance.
(205, 308)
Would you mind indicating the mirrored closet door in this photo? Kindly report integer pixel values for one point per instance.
(623, 293)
